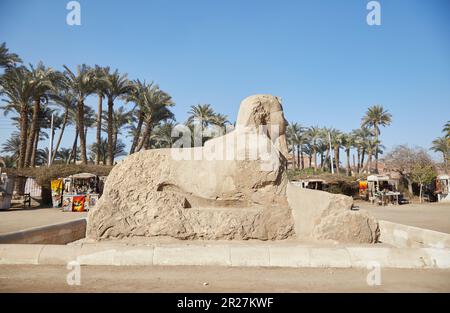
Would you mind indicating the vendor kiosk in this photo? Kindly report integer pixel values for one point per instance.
(80, 192)
(442, 188)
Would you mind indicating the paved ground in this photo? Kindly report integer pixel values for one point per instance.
(17, 219)
(435, 216)
(40, 278)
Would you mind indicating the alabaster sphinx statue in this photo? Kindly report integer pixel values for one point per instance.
(235, 187)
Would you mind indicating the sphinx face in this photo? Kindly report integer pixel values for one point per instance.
(265, 110)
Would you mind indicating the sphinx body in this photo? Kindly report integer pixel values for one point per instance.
(234, 187)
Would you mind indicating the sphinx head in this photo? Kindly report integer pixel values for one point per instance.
(266, 111)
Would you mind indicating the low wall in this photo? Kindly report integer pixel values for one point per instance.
(62, 233)
(404, 236)
(235, 255)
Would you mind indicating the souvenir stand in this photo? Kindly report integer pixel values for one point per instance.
(442, 188)
(80, 192)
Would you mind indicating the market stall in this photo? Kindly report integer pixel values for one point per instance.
(76, 193)
(6, 191)
(442, 188)
(316, 184)
(382, 190)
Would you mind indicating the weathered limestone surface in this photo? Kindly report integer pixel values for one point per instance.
(322, 215)
(235, 187)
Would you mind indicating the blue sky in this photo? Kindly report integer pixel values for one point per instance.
(319, 56)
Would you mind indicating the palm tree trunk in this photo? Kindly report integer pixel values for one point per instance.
(63, 127)
(298, 156)
(143, 138)
(81, 132)
(302, 158)
(138, 132)
(363, 156)
(348, 162)
(33, 130)
(23, 135)
(145, 135)
(35, 147)
(327, 155)
(354, 164)
(293, 156)
(110, 160)
(336, 158)
(445, 160)
(99, 128)
(376, 148)
(73, 154)
(116, 134)
(315, 159)
(147, 142)
(358, 153)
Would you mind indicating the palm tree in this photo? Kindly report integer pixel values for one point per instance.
(42, 156)
(308, 151)
(116, 85)
(446, 130)
(220, 120)
(100, 86)
(442, 145)
(18, 90)
(202, 114)
(296, 138)
(8, 161)
(12, 146)
(43, 80)
(155, 109)
(375, 117)
(44, 122)
(336, 141)
(314, 134)
(323, 147)
(82, 84)
(291, 131)
(347, 141)
(68, 102)
(7, 59)
(121, 118)
(103, 148)
(162, 135)
(362, 140)
(137, 96)
(63, 155)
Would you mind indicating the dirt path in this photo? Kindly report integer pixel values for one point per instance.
(435, 216)
(32, 278)
(17, 219)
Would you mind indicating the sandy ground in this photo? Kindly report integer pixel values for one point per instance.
(435, 216)
(17, 219)
(40, 278)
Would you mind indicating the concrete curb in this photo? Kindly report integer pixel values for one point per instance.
(404, 236)
(226, 255)
(61, 233)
